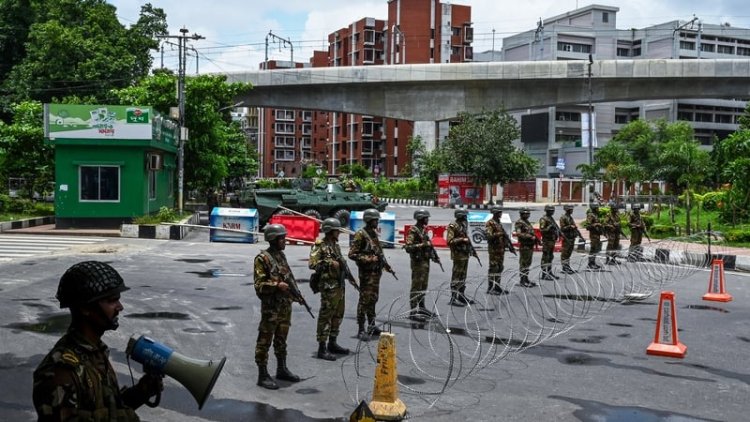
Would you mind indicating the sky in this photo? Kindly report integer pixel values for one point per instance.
(235, 31)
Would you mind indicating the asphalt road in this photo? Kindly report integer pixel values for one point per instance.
(588, 361)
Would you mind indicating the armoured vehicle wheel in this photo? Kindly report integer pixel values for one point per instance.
(313, 213)
(343, 216)
(283, 212)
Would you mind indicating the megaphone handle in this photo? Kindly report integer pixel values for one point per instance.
(155, 402)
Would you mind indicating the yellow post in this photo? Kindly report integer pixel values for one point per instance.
(385, 404)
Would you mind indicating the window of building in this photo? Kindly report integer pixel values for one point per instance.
(685, 116)
(306, 142)
(369, 36)
(307, 155)
(152, 184)
(709, 48)
(723, 118)
(468, 53)
(455, 31)
(283, 141)
(284, 155)
(468, 34)
(636, 52)
(742, 51)
(725, 49)
(306, 115)
(574, 47)
(568, 116)
(99, 183)
(687, 45)
(605, 17)
(369, 55)
(307, 129)
(283, 127)
(703, 117)
(623, 52)
(284, 115)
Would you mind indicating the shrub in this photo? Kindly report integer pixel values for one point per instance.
(662, 230)
(712, 200)
(738, 235)
(4, 202)
(20, 206)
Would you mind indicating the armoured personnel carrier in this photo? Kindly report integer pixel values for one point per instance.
(318, 201)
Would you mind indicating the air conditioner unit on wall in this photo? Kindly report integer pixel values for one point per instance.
(154, 162)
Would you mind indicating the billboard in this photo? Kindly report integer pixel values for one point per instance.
(458, 189)
(78, 121)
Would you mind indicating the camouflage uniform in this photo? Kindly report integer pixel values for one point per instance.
(367, 253)
(569, 231)
(457, 237)
(496, 249)
(417, 245)
(271, 268)
(550, 232)
(612, 225)
(326, 259)
(637, 228)
(526, 239)
(595, 228)
(75, 381)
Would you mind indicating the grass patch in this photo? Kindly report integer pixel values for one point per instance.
(165, 215)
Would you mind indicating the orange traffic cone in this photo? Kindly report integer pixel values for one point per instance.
(665, 340)
(716, 290)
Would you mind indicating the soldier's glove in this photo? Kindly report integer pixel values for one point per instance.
(388, 268)
(283, 286)
(335, 265)
(149, 385)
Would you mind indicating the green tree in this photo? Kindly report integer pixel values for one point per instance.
(213, 139)
(482, 145)
(426, 165)
(77, 47)
(732, 158)
(684, 162)
(22, 144)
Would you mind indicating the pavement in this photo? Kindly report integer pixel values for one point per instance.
(568, 355)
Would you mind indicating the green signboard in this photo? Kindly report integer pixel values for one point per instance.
(97, 121)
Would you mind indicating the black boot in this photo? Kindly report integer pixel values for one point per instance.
(333, 347)
(264, 378)
(546, 275)
(283, 373)
(423, 310)
(525, 282)
(361, 331)
(323, 352)
(373, 329)
(463, 298)
(455, 300)
(567, 270)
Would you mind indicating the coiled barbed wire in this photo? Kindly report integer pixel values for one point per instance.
(436, 354)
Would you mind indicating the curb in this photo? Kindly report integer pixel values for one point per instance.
(408, 201)
(159, 231)
(22, 224)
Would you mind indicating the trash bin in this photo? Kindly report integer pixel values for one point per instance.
(241, 222)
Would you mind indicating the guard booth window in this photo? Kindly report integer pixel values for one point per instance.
(99, 183)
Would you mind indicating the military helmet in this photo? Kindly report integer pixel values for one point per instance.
(87, 282)
(496, 209)
(548, 208)
(567, 207)
(421, 213)
(272, 231)
(330, 224)
(460, 213)
(371, 214)
(525, 210)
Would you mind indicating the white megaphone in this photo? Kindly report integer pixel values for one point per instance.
(198, 376)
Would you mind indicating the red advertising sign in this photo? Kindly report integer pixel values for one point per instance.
(458, 189)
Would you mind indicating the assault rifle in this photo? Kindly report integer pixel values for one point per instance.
(435, 258)
(382, 263)
(473, 251)
(297, 295)
(509, 243)
(346, 274)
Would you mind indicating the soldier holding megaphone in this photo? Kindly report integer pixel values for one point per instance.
(76, 381)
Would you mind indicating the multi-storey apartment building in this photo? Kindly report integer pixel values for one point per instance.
(554, 134)
(416, 31)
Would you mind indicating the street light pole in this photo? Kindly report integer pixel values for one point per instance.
(182, 54)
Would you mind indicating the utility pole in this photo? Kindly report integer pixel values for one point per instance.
(182, 50)
(590, 127)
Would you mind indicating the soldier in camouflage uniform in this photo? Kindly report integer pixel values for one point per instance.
(613, 229)
(496, 245)
(330, 267)
(420, 250)
(550, 233)
(460, 246)
(527, 240)
(76, 381)
(570, 232)
(596, 229)
(637, 228)
(368, 254)
(272, 277)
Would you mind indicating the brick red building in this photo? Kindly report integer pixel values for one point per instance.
(417, 31)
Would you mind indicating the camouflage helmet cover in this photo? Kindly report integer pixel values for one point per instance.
(87, 282)
(371, 214)
(548, 208)
(421, 213)
(496, 209)
(272, 231)
(525, 210)
(330, 224)
(460, 213)
(567, 207)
